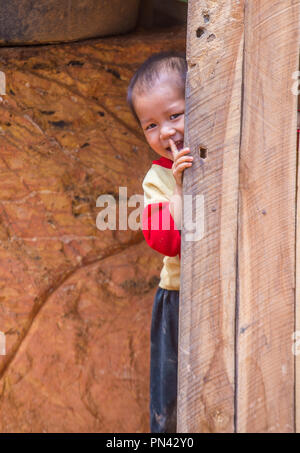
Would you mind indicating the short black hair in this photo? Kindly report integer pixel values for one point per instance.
(148, 73)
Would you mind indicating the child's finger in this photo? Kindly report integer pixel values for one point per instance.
(183, 151)
(173, 148)
(179, 168)
(184, 158)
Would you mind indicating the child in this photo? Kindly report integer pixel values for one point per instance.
(156, 96)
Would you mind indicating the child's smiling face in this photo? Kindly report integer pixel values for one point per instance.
(161, 114)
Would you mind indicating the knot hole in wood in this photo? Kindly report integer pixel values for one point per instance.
(202, 151)
(200, 31)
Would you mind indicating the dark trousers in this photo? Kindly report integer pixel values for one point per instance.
(164, 362)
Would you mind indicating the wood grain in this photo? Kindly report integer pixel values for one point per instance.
(208, 267)
(267, 214)
(297, 330)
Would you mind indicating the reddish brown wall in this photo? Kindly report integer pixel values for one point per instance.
(75, 302)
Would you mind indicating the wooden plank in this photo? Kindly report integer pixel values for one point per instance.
(266, 234)
(208, 267)
(296, 344)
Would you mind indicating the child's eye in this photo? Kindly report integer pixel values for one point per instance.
(148, 127)
(176, 114)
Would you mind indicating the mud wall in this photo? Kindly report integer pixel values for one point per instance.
(75, 302)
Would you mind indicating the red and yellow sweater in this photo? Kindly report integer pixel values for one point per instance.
(159, 185)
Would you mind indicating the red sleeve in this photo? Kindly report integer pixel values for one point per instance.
(159, 229)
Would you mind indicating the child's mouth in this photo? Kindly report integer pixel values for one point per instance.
(179, 145)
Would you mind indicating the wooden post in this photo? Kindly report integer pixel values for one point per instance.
(208, 266)
(237, 297)
(267, 216)
(297, 332)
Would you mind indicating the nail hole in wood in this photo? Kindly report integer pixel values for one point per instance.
(211, 37)
(200, 31)
(206, 18)
(203, 152)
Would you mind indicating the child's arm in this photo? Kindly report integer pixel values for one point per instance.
(181, 161)
(165, 240)
(161, 217)
(159, 228)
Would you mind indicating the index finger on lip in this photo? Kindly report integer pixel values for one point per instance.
(173, 147)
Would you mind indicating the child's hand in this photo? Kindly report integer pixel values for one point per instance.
(181, 161)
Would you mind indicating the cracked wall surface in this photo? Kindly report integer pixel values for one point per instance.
(75, 302)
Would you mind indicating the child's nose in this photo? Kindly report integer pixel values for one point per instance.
(167, 131)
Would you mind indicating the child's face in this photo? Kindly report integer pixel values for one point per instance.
(161, 114)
